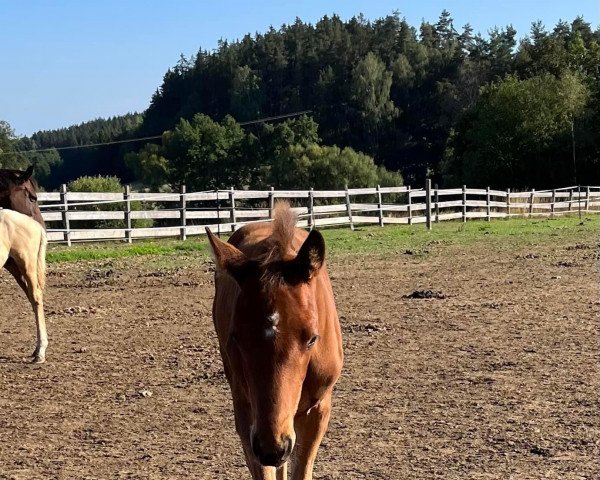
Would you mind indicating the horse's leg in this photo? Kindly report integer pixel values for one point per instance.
(309, 433)
(36, 298)
(5, 259)
(266, 473)
(282, 472)
(258, 471)
(12, 267)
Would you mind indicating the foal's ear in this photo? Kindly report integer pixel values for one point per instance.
(229, 258)
(310, 258)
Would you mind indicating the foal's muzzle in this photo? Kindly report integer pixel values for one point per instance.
(271, 455)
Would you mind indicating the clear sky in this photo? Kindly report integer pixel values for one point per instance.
(69, 61)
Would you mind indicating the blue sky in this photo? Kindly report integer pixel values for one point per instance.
(69, 61)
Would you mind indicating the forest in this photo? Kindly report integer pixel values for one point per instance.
(385, 103)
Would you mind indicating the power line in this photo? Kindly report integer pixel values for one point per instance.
(82, 146)
(154, 137)
(278, 117)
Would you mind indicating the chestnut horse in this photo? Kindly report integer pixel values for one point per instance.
(280, 341)
(23, 240)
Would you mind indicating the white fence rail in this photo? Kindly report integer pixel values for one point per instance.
(182, 214)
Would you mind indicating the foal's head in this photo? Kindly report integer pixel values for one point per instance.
(274, 331)
(18, 191)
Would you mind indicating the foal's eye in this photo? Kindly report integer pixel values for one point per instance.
(312, 341)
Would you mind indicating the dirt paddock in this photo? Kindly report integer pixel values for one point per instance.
(494, 378)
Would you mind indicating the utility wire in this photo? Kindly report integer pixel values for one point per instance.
(81, 146)
(278, 117)
(154, 137)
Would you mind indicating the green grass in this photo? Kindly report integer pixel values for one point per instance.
(341, 241)
(113, 250)
(510, 232)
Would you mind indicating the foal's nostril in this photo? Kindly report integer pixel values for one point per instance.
(273, 457)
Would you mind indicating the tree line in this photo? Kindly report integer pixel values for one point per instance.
(389, 103)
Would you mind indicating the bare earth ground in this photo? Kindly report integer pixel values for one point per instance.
(499, 380)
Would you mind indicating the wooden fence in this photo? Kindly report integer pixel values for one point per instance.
(183, 214)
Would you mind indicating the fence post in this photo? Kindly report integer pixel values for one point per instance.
(553, 202)
(126, 196)
(587, 199)
(437, 204)
(464, 203)
(271, 201)
(409, 207)
(488, 208)
(570, 199)
(508, 202)
(183, 213)
(65, 214)
(218, 213)
(531, 198)
(428, 203)
(379, 206)
(232, 202)
(349, 208)
(311, 213)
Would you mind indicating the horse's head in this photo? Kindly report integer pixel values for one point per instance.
(271, 337)
(18, 191)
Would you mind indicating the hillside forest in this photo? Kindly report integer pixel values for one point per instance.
(373, 102)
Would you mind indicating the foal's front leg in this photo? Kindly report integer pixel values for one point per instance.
(282, 472)
(259, 472)
(310, 429)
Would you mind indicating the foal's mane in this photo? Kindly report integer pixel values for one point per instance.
(284, 230)
(278, 247)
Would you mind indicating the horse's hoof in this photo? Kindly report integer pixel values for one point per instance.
(38, 359)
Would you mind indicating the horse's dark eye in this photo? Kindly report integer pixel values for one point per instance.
(312, 341)
(31, 196)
